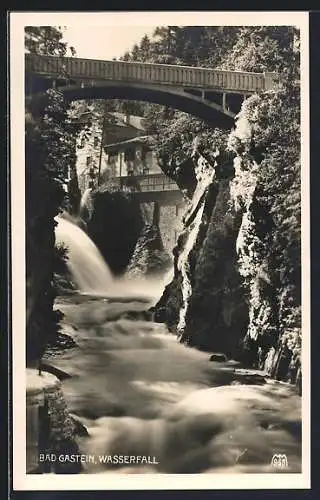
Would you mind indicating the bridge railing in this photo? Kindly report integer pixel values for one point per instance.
(156, 182)
(145, 183)
(165, 74)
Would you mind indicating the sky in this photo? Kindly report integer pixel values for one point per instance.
(104, 42)
(105, 35)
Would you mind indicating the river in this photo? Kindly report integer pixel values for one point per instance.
(139, 392)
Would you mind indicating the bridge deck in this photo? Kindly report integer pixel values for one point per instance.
(74, 68)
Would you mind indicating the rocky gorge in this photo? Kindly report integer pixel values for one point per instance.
(190, 352)
(228, 293)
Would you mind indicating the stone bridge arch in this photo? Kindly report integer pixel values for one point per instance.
(212, 95)
(194, 105)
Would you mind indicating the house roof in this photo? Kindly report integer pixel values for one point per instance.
(142, 139)
(120, 119)
(133, 121)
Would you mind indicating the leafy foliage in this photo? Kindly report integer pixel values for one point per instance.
(270, 238)
(265, 49)
(186, 45)
(50, 155)
(256, 48)
(46, 40)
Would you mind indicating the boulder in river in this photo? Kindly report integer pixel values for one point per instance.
(220, 357)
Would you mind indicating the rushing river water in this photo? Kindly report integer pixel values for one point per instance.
(139, 392)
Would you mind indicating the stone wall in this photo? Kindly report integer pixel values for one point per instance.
(171, 224)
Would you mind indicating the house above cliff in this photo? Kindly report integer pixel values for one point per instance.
(93, 159)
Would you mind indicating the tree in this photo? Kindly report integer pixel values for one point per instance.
(187, 45)
(46, 40)
(50, 150)
(145, 48)
(265, 48)
(270, 257)
(135, 53)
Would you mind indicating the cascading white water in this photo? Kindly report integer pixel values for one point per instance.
(86, 202)
(92, 274)
(86, 264)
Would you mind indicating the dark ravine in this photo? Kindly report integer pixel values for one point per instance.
(115, 226)
(127, 233)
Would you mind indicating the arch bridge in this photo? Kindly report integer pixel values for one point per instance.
(212, 95)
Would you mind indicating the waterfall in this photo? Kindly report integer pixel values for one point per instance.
(86, 204)
(92, 274)
(85, 262)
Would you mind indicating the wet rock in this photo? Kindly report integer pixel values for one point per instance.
(80, 429)
(138, 315)
(63, 284)
(63, 340)
(69, 462)
(115, 226)
(251, 377)
(56, 430)
(217, 313)
(60, 374)
(219, 357)
(149, 257)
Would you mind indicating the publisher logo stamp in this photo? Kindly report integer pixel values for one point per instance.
(279, 461)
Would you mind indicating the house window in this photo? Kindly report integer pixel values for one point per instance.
(112, 158)
(129, 154)
(89, 158)
(96, 142)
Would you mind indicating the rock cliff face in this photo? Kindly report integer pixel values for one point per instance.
(149, 257)
(217, 313)
(236, 285)
(205, 302)
(266, 191)
(51, 430)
